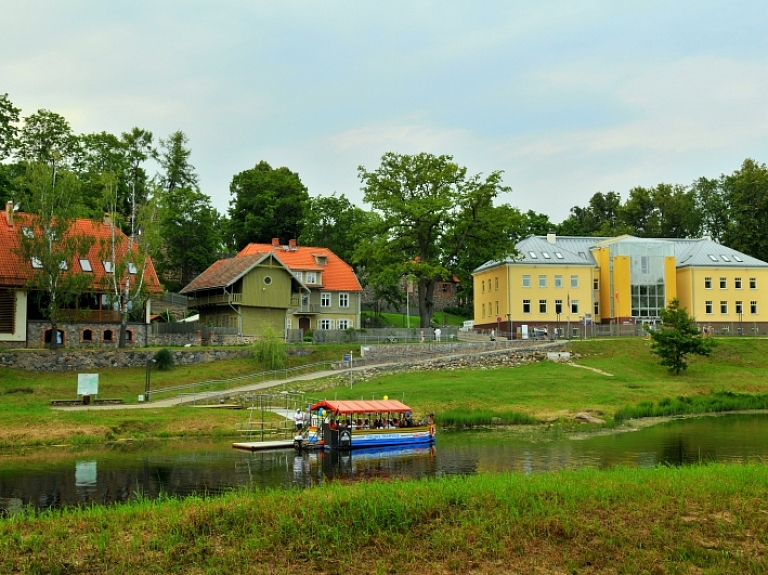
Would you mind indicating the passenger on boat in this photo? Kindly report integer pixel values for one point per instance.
(408, 420)
(366, 424)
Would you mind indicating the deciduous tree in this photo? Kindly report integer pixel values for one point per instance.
(334, 223)
(429, 210)
(266, 203)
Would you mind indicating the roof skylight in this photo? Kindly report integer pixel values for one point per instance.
(725, 258)
(737, 258)
(546, 255)
(712, 257)
(558, 255)
(533, 255)
(86, 266)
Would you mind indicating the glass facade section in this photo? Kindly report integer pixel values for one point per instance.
(647, 259)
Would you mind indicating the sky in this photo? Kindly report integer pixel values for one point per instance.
(567, 98)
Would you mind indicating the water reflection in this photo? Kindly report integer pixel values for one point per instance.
(53, 479)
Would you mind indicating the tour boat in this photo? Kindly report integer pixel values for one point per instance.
(358, 424)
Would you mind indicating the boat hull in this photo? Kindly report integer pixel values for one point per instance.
(371, 438)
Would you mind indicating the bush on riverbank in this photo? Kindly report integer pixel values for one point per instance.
(659, 520)
(483, 417)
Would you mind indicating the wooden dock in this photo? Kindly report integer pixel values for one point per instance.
(261, 445)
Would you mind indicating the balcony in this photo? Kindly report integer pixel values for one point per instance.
(91, 316)
(297, 306)
(215, 299)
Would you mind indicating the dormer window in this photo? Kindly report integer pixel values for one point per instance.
(311, 277)
(86, 266)
(298, 275)
(321, 260)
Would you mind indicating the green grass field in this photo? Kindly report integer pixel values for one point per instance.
(623, 374)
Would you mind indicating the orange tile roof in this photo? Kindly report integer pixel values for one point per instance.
(15, 272)
(337, 275)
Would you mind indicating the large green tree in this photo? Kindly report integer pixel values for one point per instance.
(430, 211)
(266, 203)
(173, 157)
(747, 194)
(677, 338)
(334, 223)
(9, 117)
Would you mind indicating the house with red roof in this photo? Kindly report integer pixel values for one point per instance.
(95, 322)
(282, 286)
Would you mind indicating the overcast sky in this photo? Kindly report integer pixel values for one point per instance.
(567, 98)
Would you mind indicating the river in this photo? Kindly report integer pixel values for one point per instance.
(58, 477)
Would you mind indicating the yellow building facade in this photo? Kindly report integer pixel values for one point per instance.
(556, 283)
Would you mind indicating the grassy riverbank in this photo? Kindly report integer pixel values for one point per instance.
(618, 378)
(701, 519)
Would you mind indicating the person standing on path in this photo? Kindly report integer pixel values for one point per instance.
(298, 418)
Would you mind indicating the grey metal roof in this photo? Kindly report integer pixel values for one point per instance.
(576, 250)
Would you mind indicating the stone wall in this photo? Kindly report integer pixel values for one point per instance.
(89, 360)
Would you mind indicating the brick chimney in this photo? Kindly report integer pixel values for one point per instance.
(292, 244)
(9, 212)
(107, 219)
(275, 242)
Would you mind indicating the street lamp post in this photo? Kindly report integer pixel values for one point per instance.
(148, 378)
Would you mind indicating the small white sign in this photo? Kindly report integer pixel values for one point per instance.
(87, 383)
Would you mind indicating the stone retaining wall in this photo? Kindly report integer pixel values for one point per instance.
(88, 360)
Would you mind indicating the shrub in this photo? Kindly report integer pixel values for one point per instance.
(269, 349)
(164, 359)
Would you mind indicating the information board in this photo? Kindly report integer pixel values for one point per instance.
(87, 383)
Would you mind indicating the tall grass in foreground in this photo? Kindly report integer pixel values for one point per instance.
(718, 402)
(656, 520)
(484, 417)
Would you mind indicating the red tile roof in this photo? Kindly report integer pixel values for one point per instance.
(337, 275)
(14, 271)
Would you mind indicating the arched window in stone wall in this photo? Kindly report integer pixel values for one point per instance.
(60, 336)
(128, 335)
(87, 335)
(107, 335)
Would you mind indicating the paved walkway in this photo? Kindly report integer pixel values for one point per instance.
(173, 401)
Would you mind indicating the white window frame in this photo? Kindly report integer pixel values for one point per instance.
(526, 304)
(709, 307)
(344, 300)
(325, 299)
(312, 277)
(558, 281)
(575, 282)
(543, 307)
(343, 324)
(526, 281)
(325, 324)
(575, 306)
(542, 281)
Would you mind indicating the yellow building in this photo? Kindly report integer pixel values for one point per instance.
(557, 282)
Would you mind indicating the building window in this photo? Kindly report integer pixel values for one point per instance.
(707, 283)
(542, 281)
(708, 308)
(343, 300)
(558, 281)
(739, 310)
(597, 309)
(312, 278)
(595, 284)
(268, 280)
(526, 306)
(574, 281)
(326, 324)
(724, 307)
(85, 265)
(298, 275)
(575, 306)
(542, 306)
(483, 307)
(723, 283)
(753, 307)
(87, 335)
(526, 281)
(558, 306)
(497, 284)
(107, 335)
(109, 267)
(752, 283)
(497, 309)
(344, 324)
(737, 283)
(325, 299)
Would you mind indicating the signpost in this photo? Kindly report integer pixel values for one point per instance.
(87, 385)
